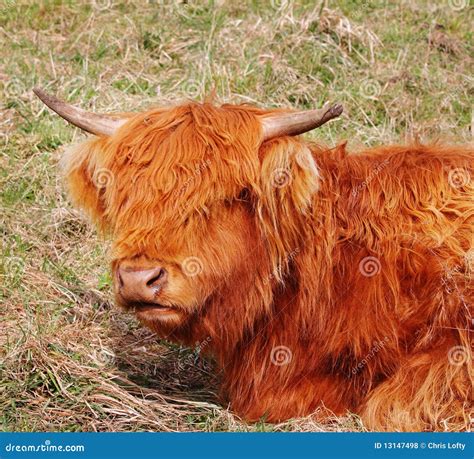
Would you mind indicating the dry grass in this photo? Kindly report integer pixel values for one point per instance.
(69, 360)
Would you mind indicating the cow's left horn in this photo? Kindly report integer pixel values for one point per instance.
(295, 123)
(90, 122)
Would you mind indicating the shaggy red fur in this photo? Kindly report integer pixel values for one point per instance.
(325, 278)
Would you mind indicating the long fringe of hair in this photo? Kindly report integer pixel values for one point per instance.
(357, 284)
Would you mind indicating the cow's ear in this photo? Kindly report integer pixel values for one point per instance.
(289, 178)
(289, 175)
(82, 174)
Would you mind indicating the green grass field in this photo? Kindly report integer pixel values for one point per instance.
(69, 360)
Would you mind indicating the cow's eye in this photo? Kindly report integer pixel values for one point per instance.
(244, 195)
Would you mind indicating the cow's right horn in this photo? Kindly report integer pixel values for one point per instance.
(295, 123)
(90, 122)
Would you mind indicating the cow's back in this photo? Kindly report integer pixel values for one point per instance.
(400, 238)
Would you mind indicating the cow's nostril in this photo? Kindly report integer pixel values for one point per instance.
(140, 285)
(159, 276)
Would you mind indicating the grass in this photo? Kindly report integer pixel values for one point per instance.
(69, 360)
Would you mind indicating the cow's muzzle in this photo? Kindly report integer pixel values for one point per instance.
(137, 287)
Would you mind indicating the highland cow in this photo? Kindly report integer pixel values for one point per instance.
(316, 277)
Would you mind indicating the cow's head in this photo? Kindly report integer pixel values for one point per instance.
(199, 200)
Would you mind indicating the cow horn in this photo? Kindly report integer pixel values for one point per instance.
(90, 122)
(295, 123)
